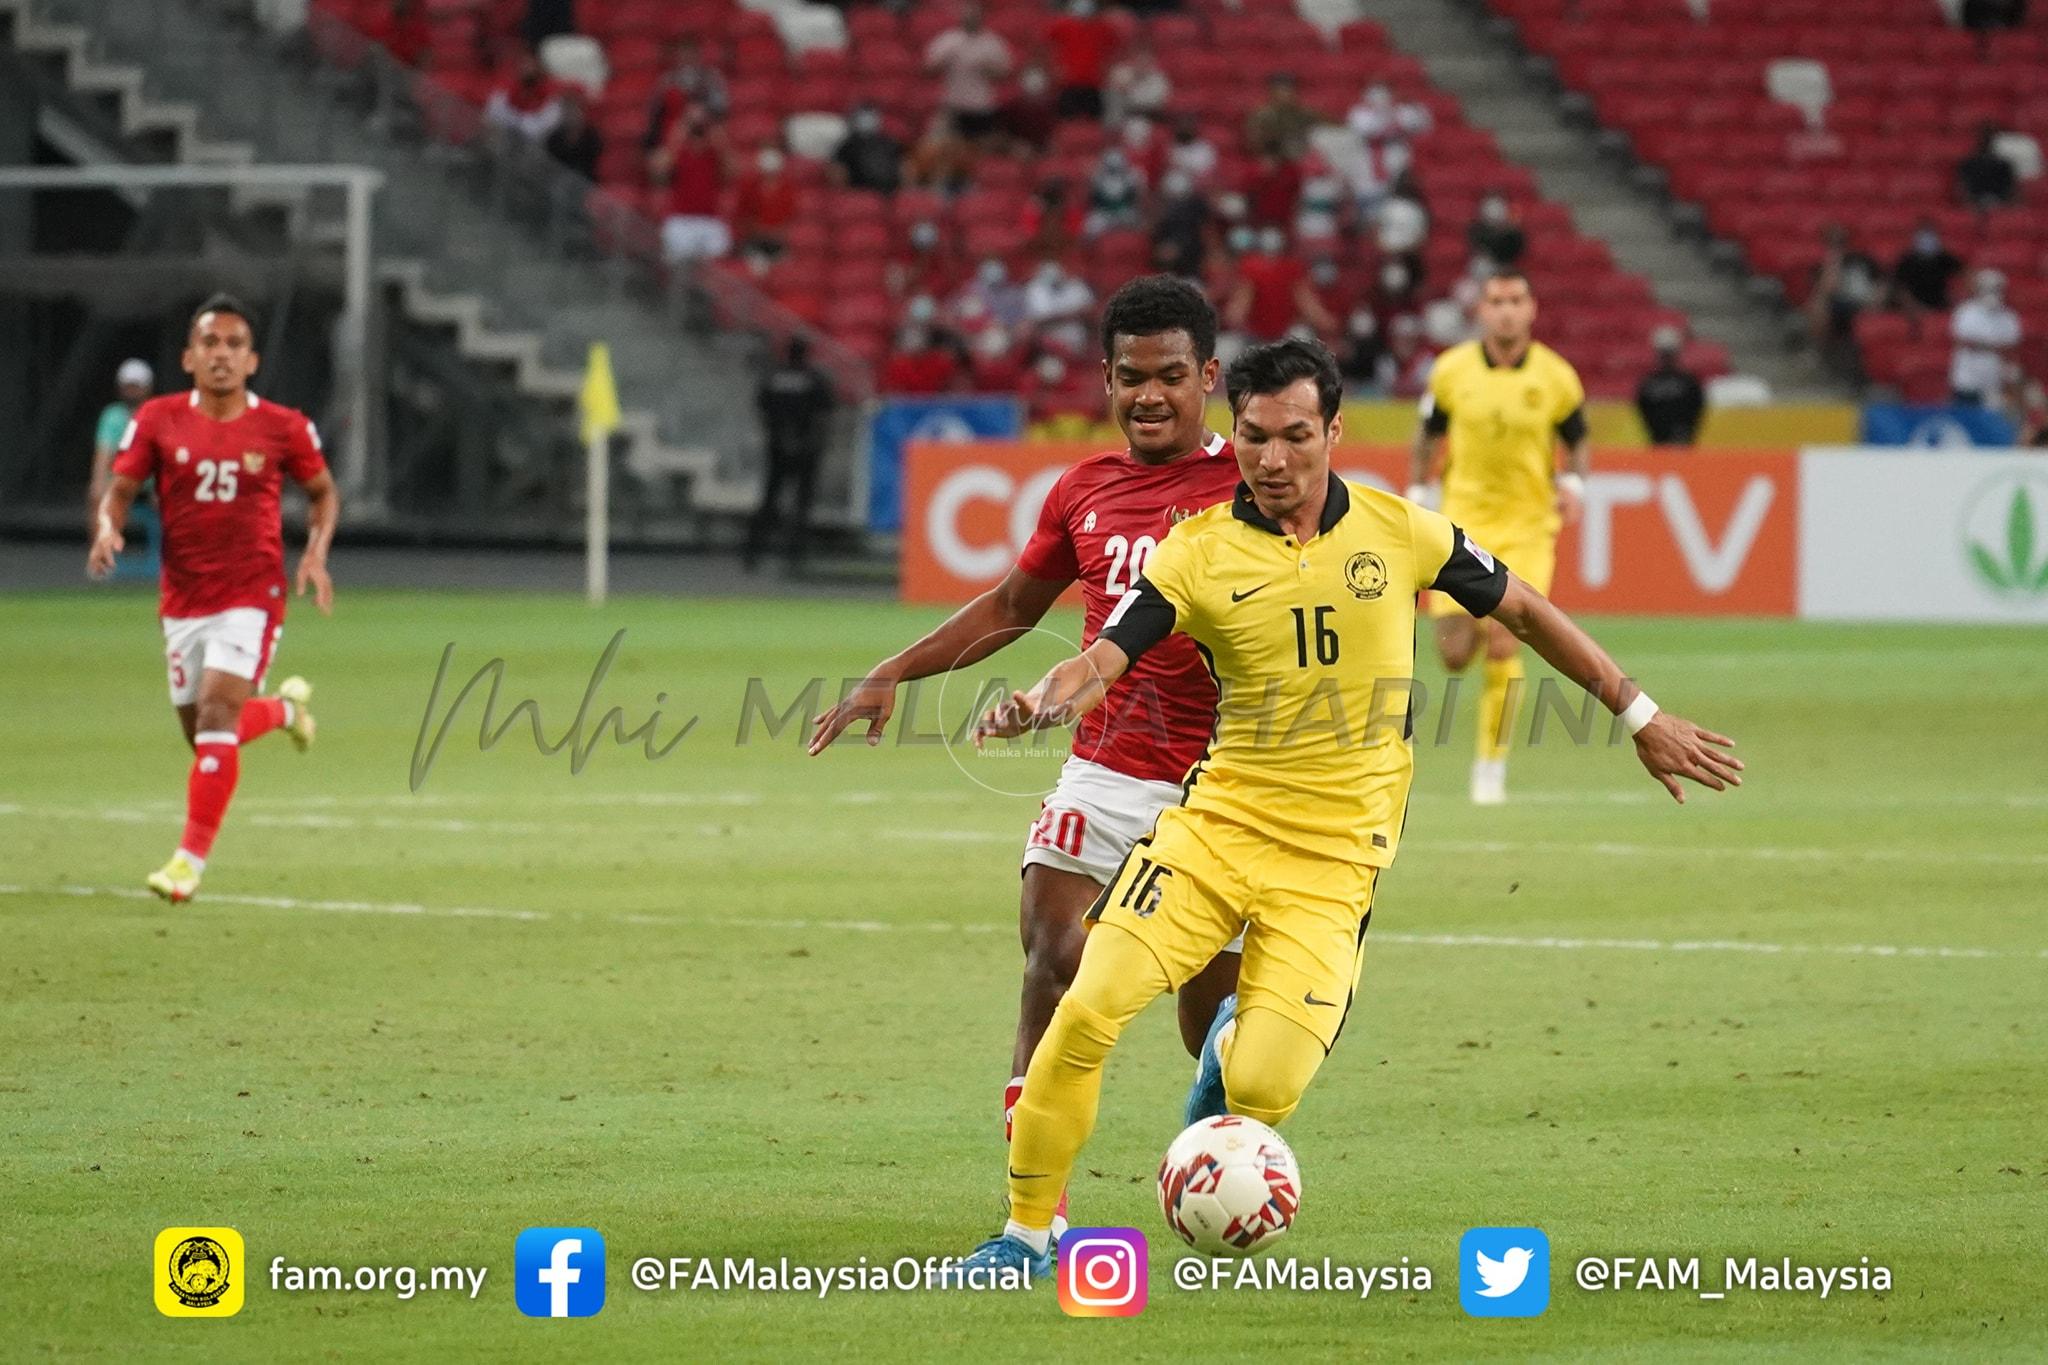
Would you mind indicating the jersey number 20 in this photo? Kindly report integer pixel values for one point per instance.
(1126, 554)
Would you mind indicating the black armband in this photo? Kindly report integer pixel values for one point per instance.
(1140, 620)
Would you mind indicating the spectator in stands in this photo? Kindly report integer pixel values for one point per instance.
(528, 102)
(971, 62)
(991, 301)
(134, 382)
(1081, 41)
(1137, 85)
(995, 365)
(1374, 173)
(1924, 271)
(1274, 293)
(693, 165)
(920, 364)
(1050, 393)
(1402, 225)
(868, 158)
(575, 144)
(402, 31)
(1145, 146)
(1116, 195)
(1984, 16)
(2033, 414)
(1670, 398)
(1280, 127)
(1336, 292)
(1053, 220)
(690, 85)
(1844, 283)
(1987, 336)
(795, 402)
(1404, 370)
(1029, 116)
(1060, 308)
(1180, 234)
(932, 268)
(1396, 293)
(1363, 350)
(1494, 234)
(1273, 191)
(1378, 118)
(1319, 210)
(1985, 178)
(1191, 153)
(766, 203)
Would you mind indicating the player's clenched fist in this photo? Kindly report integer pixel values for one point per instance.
(872, 701)
(1672, 747)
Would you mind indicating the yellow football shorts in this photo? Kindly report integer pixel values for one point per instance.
(1531, 554)
(1188, 887)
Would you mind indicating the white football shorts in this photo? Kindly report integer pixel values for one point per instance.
(240, 641)
(1093, 816)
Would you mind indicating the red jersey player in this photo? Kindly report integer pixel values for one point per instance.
(220, 456)
(1099, 522)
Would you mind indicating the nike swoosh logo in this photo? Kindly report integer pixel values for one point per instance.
(1240, 596)
(1016, 1174)
(1309, 998)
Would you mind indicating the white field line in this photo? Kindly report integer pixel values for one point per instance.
(948, 795)
(1768, 853)
(1506, 941)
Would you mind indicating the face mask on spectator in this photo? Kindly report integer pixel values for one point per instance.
(1394, 277)
(1324, 273)
(1033, 81)
(1177, 185)
(1137, 132)
(1051, 369)
(1363, 324)
(867, 121)
(770, 161)
(1493, 210)
(1084, 9)
(910, 339)
(1242, 239)
(922, 308)
(924, 236)
(1272, 241)
(1926, 241)
(991, 271)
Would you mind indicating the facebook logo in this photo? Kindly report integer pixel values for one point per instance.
(559, 1272)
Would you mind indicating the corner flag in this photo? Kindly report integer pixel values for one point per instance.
(599, 402)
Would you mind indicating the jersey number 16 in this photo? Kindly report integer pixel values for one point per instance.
(1325, 637)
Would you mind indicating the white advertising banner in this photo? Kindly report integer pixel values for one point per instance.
(1888, 535)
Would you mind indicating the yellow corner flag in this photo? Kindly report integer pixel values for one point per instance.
(599, 402)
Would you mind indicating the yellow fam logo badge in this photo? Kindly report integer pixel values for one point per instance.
(197, 1272)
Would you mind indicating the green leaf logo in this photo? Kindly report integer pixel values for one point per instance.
(2012, 568)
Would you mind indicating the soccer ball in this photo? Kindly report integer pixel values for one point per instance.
(1229, 1186)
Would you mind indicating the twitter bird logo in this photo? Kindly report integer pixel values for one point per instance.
(1504, 1272)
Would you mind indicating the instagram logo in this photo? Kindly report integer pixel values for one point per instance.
(1102, 1273)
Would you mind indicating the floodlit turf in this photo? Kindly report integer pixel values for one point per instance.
(737, 1002)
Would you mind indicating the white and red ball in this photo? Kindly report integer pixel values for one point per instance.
(1229, 1186)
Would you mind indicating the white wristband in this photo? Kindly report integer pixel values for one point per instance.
(1571, 483)
(1638, 713)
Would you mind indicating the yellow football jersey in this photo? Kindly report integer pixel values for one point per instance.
(1503, 422)
(1313, 648)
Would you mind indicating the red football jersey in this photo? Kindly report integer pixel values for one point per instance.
(218, 487)
(1098, 525)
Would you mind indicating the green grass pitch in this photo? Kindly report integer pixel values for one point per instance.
(738, 1002)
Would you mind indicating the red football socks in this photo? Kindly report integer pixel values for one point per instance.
(261, 715)
(216, 764)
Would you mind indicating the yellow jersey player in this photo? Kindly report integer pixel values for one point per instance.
(1506, 401)
(1300, 594)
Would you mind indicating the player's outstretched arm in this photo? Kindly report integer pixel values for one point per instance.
(1070, 691)
(323, 512)
(107, 541)
(968, 636)
(1669, 746)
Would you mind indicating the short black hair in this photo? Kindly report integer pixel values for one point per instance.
(1152, 304)
(1281, 365)
(1509, 272)
(222, 303)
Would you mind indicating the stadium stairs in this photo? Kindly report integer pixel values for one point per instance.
(1472, 58)
(234, 92)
